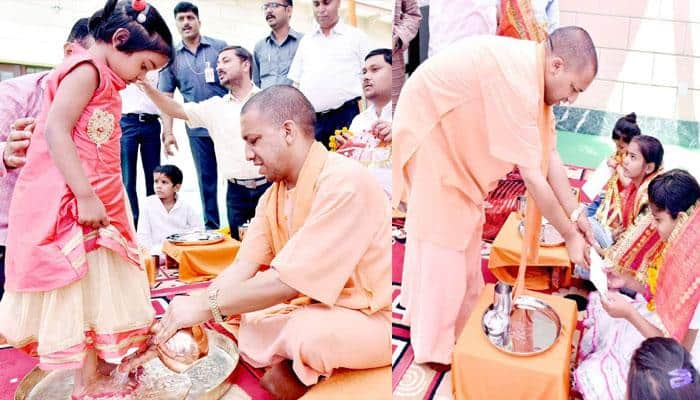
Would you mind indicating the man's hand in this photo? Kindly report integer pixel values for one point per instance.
(382, 130)
(341, 139)
(183, 312)
(15, 154)
(577, 248)
(168, 142)
(584, 226)
(145, 85)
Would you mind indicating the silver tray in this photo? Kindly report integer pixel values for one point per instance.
(195, 238)
(533, 329)
(207, 379)
(549, 236)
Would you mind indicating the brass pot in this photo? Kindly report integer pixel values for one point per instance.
(182, 350)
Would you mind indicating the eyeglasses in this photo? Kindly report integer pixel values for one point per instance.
(273, 6)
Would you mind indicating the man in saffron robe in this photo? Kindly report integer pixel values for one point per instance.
(465, 118)
(323, 228)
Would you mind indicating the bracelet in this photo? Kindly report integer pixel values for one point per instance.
(214, 305)
(576, 213)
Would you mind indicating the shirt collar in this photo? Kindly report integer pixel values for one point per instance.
(292, 33)
(339, 28)
(229, 96)
(373, 111)
(203, 41)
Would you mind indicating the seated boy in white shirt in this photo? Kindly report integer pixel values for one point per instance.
(163, 214)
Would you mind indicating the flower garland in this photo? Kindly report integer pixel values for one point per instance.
(611, 209)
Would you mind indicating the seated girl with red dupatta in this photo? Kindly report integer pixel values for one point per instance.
(668, 277)
(622, 207)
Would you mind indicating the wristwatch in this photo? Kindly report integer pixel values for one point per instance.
(576, 213)
(213, 293)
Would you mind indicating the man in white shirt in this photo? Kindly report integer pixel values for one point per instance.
(221, 116)
(371, 129)
(140, 131)
(326, 68)
(449, 21)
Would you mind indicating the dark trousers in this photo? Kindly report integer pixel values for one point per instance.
(328, 121)
(241, 203)
(145, 135)
(205, 163)
(2, 270)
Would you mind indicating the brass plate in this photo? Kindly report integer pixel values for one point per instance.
(549, 236)
(195, 238)
(534, 327)
(207, 379)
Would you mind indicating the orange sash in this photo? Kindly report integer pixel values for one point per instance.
(304, 191)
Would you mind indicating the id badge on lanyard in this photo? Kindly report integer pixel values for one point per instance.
(208, 73)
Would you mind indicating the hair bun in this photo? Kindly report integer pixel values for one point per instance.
(631, 117)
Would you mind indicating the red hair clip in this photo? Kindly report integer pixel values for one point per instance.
(138, 5)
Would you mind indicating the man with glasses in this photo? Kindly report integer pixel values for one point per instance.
(193, 73)
(274, 54)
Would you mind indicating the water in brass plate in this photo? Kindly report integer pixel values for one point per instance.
(533, 327)
(205, 380)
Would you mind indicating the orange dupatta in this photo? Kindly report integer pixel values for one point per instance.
(518, 21)
(678, 286)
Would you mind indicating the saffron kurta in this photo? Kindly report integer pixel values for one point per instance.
(465, 118)
(336, 251)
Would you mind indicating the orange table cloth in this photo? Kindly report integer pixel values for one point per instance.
(344, 384)
(505, 258)
(480, 371)
(200, 263)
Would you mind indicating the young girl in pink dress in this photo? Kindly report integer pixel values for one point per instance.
(76, 296)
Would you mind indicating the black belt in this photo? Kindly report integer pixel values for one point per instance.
(142, 117)
(249, 183)
(347, 103)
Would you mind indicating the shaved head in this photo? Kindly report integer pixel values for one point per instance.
(281, 103)
(571, 64)
(575, 46)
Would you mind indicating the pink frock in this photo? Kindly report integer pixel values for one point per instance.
(56, 266)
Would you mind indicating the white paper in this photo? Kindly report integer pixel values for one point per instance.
(595, 184)
(598, 275)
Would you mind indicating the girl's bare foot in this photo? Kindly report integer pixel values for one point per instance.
(91, 384)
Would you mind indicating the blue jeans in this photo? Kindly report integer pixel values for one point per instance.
(241, 203)
(147, 136)
(205, 163)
